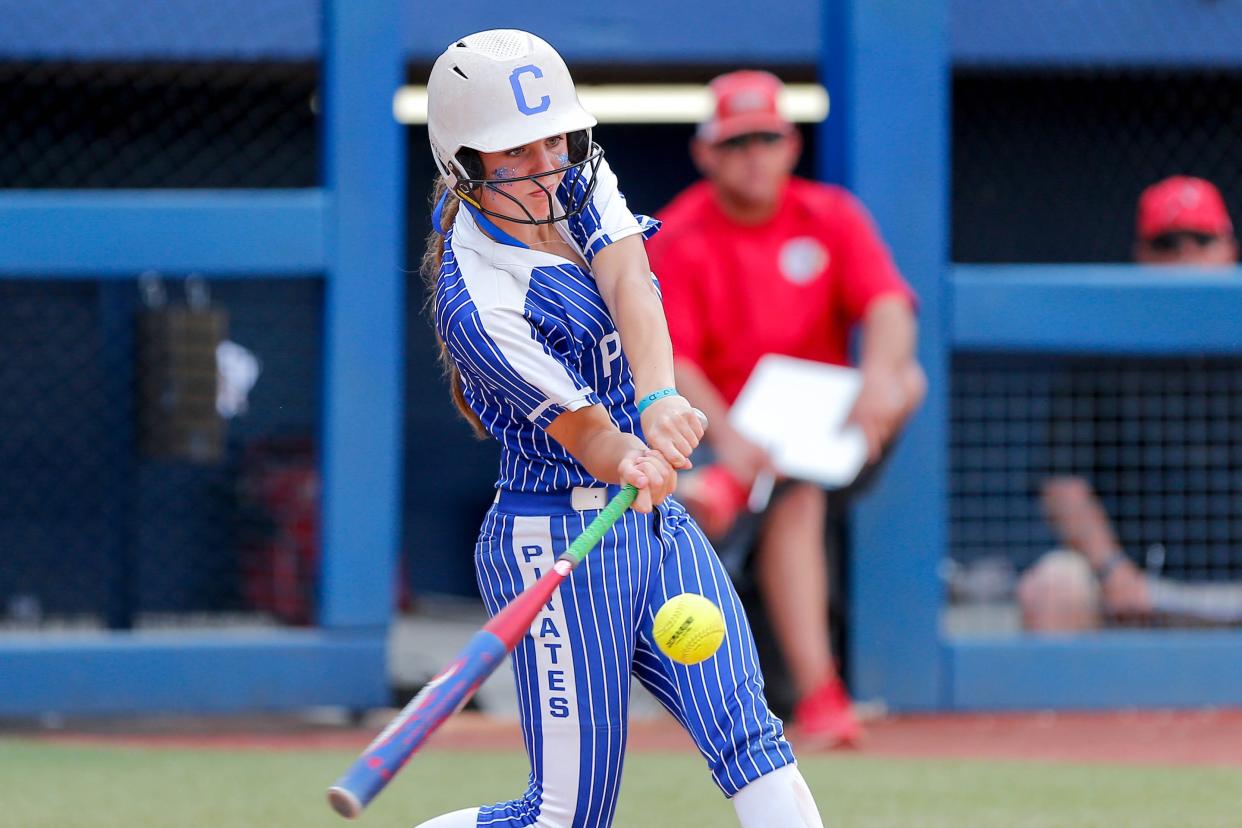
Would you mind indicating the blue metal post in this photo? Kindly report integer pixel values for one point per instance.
(886, 66)
(364, 171)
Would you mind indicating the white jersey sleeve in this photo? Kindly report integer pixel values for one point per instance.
(502, 350)
(607, 218)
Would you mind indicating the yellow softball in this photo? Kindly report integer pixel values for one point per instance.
(689, 628)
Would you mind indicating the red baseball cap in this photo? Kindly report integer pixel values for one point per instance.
(1182, 203)
(746, 101)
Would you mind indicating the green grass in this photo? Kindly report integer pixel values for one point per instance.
(58, 786)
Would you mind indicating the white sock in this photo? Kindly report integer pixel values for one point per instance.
(779, 799)
(465, 818)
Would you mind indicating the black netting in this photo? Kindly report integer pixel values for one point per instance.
(127, 499)
(110, 125)
(1048, 164)
(1159, 439)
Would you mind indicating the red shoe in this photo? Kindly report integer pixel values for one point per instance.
(825, 718)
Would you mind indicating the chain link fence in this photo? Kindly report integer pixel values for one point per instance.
(146, 481)
(143, 479)
(1048, 162)
(1159, 441)
(86, 126)
(1048, 165)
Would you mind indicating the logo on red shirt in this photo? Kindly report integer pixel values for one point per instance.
(803, 259)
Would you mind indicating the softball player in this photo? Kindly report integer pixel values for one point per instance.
(534, 356)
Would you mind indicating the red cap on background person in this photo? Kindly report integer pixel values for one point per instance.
(746, 101)
(1182, 204)
(1182, 221)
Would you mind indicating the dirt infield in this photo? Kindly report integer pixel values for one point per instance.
(1208, 737)
(1212, 737)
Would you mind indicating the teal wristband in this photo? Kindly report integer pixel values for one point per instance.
(646, 401)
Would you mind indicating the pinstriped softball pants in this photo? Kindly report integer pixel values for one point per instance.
(573, 670)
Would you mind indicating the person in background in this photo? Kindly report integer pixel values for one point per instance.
(755, 261)
(1183, 221)
(1090, 582)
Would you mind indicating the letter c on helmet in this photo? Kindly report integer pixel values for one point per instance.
(524, 106)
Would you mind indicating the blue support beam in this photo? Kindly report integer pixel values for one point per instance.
(1163, 33)
(1156, 668)
(886, 68)
(642, 31)
(190, 672)
(715, 32)
(982, 33)
(1106, 309)
(364, 169)
(126, 30)
(120, 233)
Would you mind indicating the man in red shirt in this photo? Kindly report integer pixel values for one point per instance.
(753, 261)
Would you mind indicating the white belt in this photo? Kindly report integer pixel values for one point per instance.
(580, 499)
(585, 498)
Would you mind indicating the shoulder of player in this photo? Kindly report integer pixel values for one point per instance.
(479, 284)
(504, 290)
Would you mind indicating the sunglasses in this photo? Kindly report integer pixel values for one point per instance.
(1168, 242)
(744, 140)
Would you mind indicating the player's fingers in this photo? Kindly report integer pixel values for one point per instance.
(667, 445)
(684, 445)
(663, 479)
(668, 471)
(689, 429)
(642, 503)
(677, 457)
(631, 473)
(656, 468)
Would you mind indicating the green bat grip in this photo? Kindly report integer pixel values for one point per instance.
(594, 533)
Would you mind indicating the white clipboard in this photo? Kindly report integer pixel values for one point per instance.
(796, 409)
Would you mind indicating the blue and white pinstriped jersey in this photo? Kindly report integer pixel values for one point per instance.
(606, 218)
(532, 338)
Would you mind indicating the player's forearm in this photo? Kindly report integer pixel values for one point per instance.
(601, 453)
(594, 441)
(694, 385)
(889, 335)
(623, 275)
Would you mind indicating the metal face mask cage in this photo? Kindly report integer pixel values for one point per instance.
(577, 188)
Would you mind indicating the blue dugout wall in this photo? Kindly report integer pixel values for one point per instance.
(887, 66)
(347, 232)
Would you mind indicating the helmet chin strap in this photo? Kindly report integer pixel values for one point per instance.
(579, 186)
(487, 225)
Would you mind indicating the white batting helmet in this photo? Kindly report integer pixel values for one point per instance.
(496, 90)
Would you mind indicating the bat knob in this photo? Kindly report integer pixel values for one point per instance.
(702, 417)
(344, 802)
